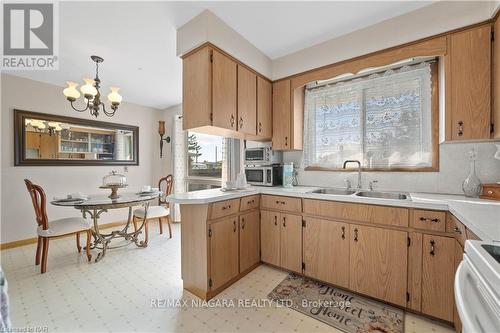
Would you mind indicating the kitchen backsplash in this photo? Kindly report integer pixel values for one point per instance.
(453, 169)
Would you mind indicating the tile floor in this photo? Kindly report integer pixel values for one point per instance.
(116, 294)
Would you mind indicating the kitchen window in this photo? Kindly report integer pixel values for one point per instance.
(384, 118)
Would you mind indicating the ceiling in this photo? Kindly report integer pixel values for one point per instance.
(137, 39)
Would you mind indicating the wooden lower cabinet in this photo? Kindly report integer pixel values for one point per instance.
(270, 237)
(223, 245)
(438, 271)
(326, 251)
(459, 254)
(249, 240)
(378, 263)
(291, 242)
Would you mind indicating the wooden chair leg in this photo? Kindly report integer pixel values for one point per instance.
(45, 252)
(134, 222)
(38, 251)
(78, 246)
(169, 227)
(87, 248)
(160, 222)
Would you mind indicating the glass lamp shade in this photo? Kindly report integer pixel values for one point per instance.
(71, 92)
(161, 127)
(88, 89)
(114, 97)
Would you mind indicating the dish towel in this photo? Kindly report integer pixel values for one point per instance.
(5, 324)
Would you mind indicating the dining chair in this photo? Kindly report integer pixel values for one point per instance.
(160, 212)
(47, 230)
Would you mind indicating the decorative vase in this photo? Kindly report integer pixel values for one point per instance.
(472, 185)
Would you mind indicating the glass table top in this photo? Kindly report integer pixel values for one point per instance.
(125, 199)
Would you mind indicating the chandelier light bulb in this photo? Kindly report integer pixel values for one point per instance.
(71, 92)
(88, 90)
(114, 97)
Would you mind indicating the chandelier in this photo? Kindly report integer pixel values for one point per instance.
(91, 94)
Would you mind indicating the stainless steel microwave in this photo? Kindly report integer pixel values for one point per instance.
(265, 175)
(262, 156)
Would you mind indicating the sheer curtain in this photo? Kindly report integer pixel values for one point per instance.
(382, 120)
(179, 164)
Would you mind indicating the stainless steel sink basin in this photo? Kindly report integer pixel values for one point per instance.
(383, 195)
(337, 191)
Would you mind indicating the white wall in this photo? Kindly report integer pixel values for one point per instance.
(453, 169)
(207, 27)
(17, 216)
(427, 21)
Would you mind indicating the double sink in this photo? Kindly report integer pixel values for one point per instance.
(368, 194)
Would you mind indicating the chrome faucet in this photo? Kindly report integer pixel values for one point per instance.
(359, 170)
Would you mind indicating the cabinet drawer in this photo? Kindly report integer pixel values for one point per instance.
(454, 226)
(282, 203)
(428, 220)
(224, 208)
(491, 191)
(249, 202)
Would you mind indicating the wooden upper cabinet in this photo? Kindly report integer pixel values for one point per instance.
(49, 146)
(496, 80)
(281, 115)
(32, 140)
(223, 91)
(438, 271)
(223, 251)
(264, 108)
(247, 101)
(468, 84)
(249, 240)
(196, 89)
(378, 263)
(326, 251)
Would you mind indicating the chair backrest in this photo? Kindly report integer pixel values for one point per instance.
(39, 200)
(166, 189)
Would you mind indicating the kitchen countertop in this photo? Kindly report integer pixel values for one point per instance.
(482, 217)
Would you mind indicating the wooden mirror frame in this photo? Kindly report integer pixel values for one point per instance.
(20, 140)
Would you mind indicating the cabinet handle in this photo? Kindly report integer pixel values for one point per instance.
(280, 202)
(343, 232)
(355, 235)
(260, 127)
(250, 202)
(275, 220)
(490, 192)
(241, 122)
(432, 252)
(232, 120)
(234, 226)
(226, 207)
(428, 219)
(286, 141)
(243, 223)
(284, 221)
(460, 128)
(457, 230)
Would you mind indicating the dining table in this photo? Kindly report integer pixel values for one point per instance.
(95, 205)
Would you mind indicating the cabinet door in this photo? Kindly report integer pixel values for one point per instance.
(282, 121)
(438, 272)
(196, 91)
(270, 237)
(291, 242)
(223, 91)
(48, 146)
(459, 254)
(264, 108)
(32, 140)
(326, 251)
(378, 263)
(496, 80)
(247, 101)
(470, 57)
(249, 240)
(223, 251)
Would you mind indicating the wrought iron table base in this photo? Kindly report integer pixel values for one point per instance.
(101, 240)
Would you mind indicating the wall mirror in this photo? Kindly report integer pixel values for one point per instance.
(46, 139)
